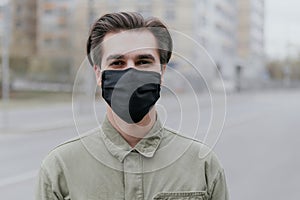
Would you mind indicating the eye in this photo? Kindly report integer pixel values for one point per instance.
(116, 63)
(143, 62)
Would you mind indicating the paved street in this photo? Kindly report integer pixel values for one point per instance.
(259, 146)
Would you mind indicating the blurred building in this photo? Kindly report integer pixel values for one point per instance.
(2, 24)
(230, 30)
(2, 32)
(24, 28)
(217, 32)
(251, 37)
(54, 27)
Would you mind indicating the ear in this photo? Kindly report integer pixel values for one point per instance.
(163, 69)
(98, 74)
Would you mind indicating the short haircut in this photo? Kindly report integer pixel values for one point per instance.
(116, 22)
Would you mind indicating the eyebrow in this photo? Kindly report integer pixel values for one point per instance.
(115, 57)
(120, 56)
(146, 56)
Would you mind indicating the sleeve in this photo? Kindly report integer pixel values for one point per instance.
(44, 189)
(215, 178)
(219, 190)
(51, 183)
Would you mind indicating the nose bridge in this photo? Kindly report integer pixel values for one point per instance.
(130, 62)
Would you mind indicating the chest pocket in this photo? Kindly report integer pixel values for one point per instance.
(181, 196)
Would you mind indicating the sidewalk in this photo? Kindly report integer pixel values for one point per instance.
(32, 118)
(36, 116)
(30, 113)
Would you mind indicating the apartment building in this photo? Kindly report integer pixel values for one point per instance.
(251, 36)
(231, 32)
(2, 25)
(54, 27)
(217, 31)
(23, 28)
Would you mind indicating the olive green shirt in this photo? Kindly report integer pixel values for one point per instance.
(102, 165)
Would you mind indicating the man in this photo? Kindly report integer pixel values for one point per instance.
(132, 156)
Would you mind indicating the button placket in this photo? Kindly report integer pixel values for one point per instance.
(133, 177)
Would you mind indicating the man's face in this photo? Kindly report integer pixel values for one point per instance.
(129, 49)
(137, 49)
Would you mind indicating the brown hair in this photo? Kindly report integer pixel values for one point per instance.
(116, 22)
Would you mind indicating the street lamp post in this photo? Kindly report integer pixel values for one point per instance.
(5, 54)
(5, 65)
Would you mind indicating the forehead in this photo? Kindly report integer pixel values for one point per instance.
(126, 42)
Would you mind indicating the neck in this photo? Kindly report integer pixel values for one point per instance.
(132, 133)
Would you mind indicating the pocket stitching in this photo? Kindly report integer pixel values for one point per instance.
(180, 194)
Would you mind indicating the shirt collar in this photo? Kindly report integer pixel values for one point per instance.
(118, 146)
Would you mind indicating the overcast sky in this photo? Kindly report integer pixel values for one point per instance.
(282, 27)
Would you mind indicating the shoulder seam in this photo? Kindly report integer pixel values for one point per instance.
(183, 136)
(74, 139)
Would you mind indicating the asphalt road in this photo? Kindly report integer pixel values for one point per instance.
(259, 145)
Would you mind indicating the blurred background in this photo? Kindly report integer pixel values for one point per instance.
(255, 46)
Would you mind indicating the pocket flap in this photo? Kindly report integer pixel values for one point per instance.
(198, 195)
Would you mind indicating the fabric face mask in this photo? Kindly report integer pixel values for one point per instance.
(130, 93)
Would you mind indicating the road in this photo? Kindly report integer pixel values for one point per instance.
(259, 145)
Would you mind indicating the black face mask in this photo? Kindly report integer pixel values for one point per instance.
(130, 93)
